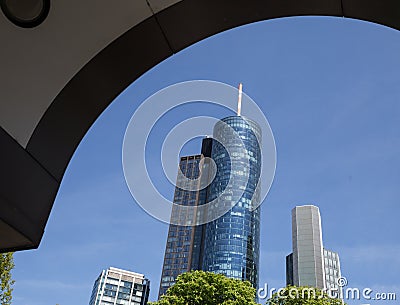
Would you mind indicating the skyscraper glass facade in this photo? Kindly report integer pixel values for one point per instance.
(289, 270)
(180, 240)
(231, 245)
(183, 251)
(120, 287)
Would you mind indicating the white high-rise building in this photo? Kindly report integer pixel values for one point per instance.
(310, 264)
(120, 287)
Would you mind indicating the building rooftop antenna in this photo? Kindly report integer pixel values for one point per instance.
(239, 110)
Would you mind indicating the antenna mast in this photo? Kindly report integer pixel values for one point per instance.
(240, 100)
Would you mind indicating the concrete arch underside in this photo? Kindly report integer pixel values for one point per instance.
(114, 46)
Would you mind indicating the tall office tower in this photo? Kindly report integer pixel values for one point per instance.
(120, 287)
(310, 264)
(183, 250)
(307, 247)
(231, 245)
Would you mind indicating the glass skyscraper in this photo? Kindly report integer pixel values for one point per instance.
(183, 251)
(120, 287)
(229, 244)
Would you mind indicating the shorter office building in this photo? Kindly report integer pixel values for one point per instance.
(311, 264)
(332, 270)
(120, 287)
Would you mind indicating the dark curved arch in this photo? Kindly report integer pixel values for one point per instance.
(95, 86)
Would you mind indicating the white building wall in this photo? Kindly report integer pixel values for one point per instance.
(308, 268)
(117, 279)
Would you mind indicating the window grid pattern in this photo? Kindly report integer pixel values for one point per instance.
(332, 270)
(120, 287)
(232, 241)
(183, 242)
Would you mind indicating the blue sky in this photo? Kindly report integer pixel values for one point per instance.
(330, 90)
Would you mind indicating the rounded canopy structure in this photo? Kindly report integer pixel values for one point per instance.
(59, 74)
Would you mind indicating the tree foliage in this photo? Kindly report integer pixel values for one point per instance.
(6, 281)
(206, 288)
(292, 295)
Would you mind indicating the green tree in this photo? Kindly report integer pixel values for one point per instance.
(292, 295)
(206, 288)
(6, 281)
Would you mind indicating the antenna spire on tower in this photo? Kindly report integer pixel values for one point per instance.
(240, 100)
